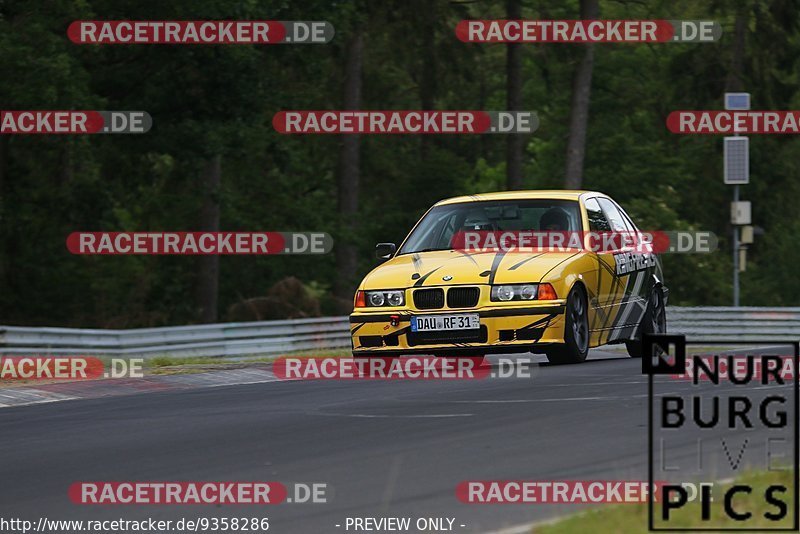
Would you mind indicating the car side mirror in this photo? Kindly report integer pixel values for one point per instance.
(384, 251)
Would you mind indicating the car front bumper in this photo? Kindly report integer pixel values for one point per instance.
(507, 328)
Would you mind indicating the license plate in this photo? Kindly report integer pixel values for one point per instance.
(429, 323)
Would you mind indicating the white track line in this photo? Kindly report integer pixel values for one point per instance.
(578, 399)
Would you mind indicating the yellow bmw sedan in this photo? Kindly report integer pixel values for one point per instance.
(553, 272)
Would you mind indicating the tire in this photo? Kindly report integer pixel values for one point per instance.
(653, 322)
(576, 331)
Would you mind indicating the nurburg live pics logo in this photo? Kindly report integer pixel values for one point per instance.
(727, 412)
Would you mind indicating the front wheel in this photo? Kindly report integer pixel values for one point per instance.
(576, 331)
(653, 322)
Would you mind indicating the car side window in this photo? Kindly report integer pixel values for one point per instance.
(614, 216)
(440, 232)
(628, 221)
(447, 231)
(597, 221)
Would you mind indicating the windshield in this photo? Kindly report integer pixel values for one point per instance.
(436, 230)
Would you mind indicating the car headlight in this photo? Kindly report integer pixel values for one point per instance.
(528, 292)
(505, 293)
(509, 292)
(395, 298)
(385, 298)
(376, 298)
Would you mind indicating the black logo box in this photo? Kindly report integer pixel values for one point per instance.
(678, 366)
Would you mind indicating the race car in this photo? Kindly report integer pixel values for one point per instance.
(453, 288)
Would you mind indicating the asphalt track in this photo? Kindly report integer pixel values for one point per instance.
(385, 449)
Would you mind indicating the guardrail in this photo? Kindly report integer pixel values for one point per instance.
(710, 323)
(279, 337)
(227, 339)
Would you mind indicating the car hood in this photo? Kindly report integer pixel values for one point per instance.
(435, 267)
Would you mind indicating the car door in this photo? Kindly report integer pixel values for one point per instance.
(633, 274)
(647, 273)
(604, 292)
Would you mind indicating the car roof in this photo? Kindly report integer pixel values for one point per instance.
(553, 194)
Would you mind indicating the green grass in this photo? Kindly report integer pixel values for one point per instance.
(632, 518)
(169, 361)
(172, 365)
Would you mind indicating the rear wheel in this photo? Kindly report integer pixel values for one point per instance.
(653, 322)
(576, 331)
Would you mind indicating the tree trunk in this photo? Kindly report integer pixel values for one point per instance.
(514, 142)
(579, 113)
(345, 249)
(5, 248)
(207, 289)
(427, 85)
(734, 81)
(3, 165)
